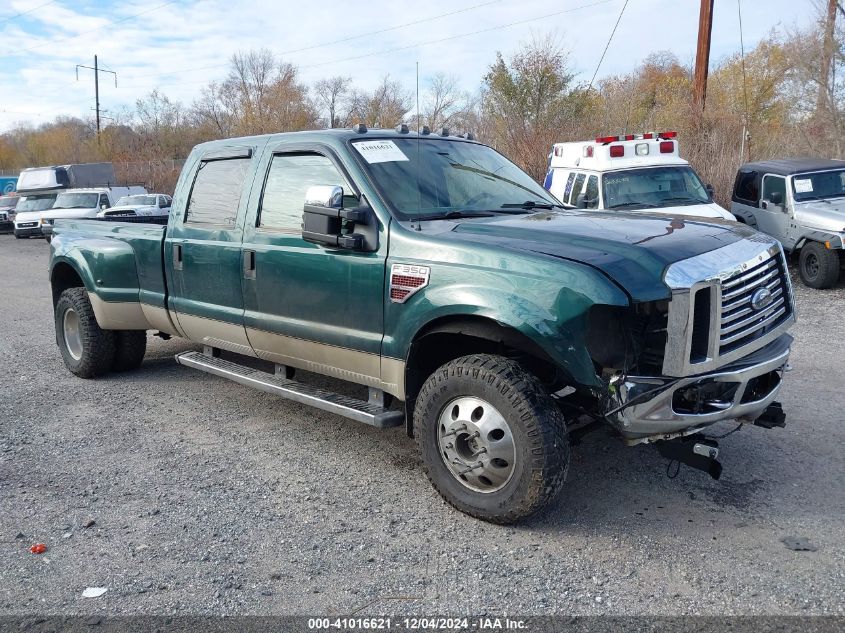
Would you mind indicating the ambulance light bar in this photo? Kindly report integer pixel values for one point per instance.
(603, 140)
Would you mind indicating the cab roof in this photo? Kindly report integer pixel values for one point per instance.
(337, 134)
(791, 166)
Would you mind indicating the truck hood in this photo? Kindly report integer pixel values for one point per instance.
(818, 214)
(632, 249)
(56, 214)
(29, 216)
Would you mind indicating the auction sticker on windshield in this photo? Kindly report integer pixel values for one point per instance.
(803, 185)
(384, 151)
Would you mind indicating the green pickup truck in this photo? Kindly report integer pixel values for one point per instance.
(431, 271)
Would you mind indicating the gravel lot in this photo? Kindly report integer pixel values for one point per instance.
(209, 498)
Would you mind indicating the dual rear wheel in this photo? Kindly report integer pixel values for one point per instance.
(87, 349)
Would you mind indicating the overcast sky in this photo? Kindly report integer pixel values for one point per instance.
(180, 45)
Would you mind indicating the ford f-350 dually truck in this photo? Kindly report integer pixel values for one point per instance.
(434, 272)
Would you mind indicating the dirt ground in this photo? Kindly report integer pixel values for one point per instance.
(209, 498)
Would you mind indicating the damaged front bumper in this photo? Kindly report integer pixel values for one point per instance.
(647, 409)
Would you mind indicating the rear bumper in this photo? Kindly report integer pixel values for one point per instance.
(657, 407)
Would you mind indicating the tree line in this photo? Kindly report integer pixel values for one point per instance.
(784, 97)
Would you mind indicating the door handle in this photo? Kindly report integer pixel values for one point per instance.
(177, 256)
(249, 264)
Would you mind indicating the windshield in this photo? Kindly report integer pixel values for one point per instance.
(76, 200)
(823, 184)
(35, 203)
(453, 177)
(146, 201)
(653, 187)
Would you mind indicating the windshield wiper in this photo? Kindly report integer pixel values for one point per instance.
(456, 214)
(531, 204)
(633, 204)
(815, 198)
(684, 199)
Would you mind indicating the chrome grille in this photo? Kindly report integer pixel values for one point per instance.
(740, 322)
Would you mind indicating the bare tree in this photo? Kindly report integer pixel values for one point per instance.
(385, 106)
(330, 95)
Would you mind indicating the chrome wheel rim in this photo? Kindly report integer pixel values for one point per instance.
(73, 337)
(476, 444)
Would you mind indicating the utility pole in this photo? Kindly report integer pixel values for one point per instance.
(827, 56)
(702, 53)
(97, 72)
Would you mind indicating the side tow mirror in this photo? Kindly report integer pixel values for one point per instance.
(103, 207)
(709, 189)
(323, 217)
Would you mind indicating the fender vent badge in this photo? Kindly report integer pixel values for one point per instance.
(405, 280)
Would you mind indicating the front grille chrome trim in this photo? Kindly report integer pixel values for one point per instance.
(734, 273)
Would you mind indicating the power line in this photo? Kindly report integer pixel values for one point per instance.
(460, 35)
(410, 46)
(23, 13)
(332, 43)
(607, 46)
(73, 37)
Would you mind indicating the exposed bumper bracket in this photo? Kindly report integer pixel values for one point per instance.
(696, 451)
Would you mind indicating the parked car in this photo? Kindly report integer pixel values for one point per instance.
(432, 270)
(633, 172)
(7, 212)
(41, 185)
(151, 204)
(801, 202)
(28, 212)
(84, 203)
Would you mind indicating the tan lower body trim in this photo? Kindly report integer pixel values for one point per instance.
(362, 368)
(159, 319)
(226, 336)
(119, 315)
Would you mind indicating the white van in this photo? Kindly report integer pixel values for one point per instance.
(83, 203)
(634, 172)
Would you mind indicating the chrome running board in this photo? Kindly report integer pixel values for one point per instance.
(359, 410)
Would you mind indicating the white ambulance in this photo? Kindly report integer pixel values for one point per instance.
(633, 172)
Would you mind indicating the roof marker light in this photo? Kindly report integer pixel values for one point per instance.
(606, 139)
(668, 135)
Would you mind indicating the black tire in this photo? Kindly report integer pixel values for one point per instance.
(130, 347)
(94, 354)
(536, 426)
(818, 266)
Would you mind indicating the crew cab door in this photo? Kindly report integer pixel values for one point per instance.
(773, 214)
(203, 250)
(307, 305)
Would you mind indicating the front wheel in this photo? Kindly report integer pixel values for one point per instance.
(493, 441)
(818, 266)
(87, 349)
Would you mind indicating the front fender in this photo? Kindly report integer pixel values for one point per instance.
(551, 310)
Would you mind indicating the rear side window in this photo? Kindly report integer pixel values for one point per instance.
(591, 193)
(289, 178)
(217, 192)
(568, 189)
(576, 188)
(747, 186)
